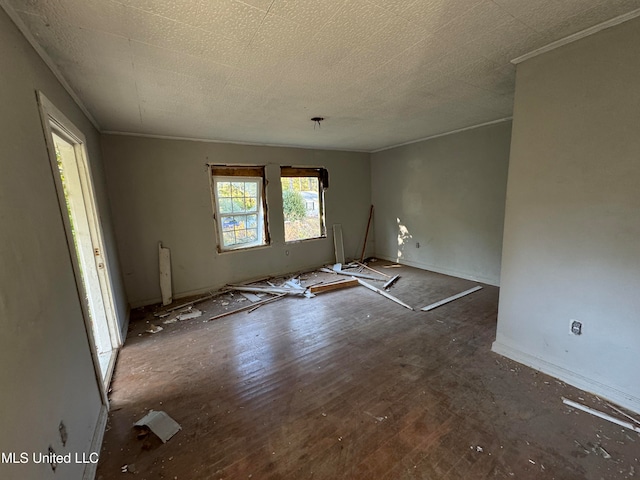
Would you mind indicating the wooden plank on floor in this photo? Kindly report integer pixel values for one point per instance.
(327, 287)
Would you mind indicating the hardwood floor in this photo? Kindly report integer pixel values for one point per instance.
(351, 385)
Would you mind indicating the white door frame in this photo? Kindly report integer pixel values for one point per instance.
(53, 120)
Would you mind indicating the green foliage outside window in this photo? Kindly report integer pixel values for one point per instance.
(293, 205)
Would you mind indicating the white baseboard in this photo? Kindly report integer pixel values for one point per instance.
(96, 443)
(612, 394)
(444, 271)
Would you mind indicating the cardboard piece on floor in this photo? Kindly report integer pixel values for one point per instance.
(159, 423)
(450, 299)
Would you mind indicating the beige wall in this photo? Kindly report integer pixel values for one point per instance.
(447, 194)
(159, 191)
(572, 228)
(47, 373)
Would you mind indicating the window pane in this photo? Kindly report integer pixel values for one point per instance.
(240, 213)
(251, 189)
(228, 224)
(252, 234)
(224, 189)
(240, 221)
(228, 239)
(302, 208)
(224, 204)
(250, 204)
(237, 189)
(238, 205)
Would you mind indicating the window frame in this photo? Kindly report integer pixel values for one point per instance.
(323, 183)
(228, 173)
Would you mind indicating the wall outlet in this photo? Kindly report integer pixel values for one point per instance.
(575, 327)
(417, 244)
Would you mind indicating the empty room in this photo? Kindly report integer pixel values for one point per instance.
(295, 239)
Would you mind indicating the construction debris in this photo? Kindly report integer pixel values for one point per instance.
(251, 307)
(337, 243)
(154, 329)
(189, 314)
(600, 414)
(384, 294)
(390, 282)
(337, 268)
(450, 299)
(623, 413)
(327, 287)
(372, 269)
(164, 261)
(159, 423)
(167, 311)
(273, 290)
(252, 297)
(366, 234)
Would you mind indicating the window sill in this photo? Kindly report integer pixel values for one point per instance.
(290, 242)
(243, 248)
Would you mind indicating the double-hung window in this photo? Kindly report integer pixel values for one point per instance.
(239, 206)
(303, 202)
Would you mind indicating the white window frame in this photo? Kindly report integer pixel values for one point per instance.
(322, 177)
(260, 211)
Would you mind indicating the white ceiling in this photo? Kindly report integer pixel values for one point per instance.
(381, 72)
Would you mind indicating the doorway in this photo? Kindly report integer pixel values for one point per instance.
(78, 208)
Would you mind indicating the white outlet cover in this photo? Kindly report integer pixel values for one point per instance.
(571, 325)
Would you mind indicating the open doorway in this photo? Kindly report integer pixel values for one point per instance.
(72, 176)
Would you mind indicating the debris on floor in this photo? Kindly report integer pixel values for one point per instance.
(602, 415)
(189, 314)
(384, 294)
(451, 299)
(393, 280)
(154, 329)
(159, 423)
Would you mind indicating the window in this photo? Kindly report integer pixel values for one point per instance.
(239, 207)
(303, 202)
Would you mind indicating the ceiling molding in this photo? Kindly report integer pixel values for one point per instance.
(578, 35)
(229, 142)
(459, 130)
(15, 17)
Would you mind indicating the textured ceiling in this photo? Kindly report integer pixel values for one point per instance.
(381, 72)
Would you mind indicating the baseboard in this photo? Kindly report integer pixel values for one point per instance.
(612, 394)
(444, 271)
(96, 444)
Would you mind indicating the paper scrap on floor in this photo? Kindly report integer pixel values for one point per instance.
(159, 423)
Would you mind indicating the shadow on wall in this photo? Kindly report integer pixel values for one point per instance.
(404, 237)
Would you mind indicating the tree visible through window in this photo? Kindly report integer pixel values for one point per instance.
(239, 208)
(303, 203)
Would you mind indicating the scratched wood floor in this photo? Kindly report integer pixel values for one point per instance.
(349, 385)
